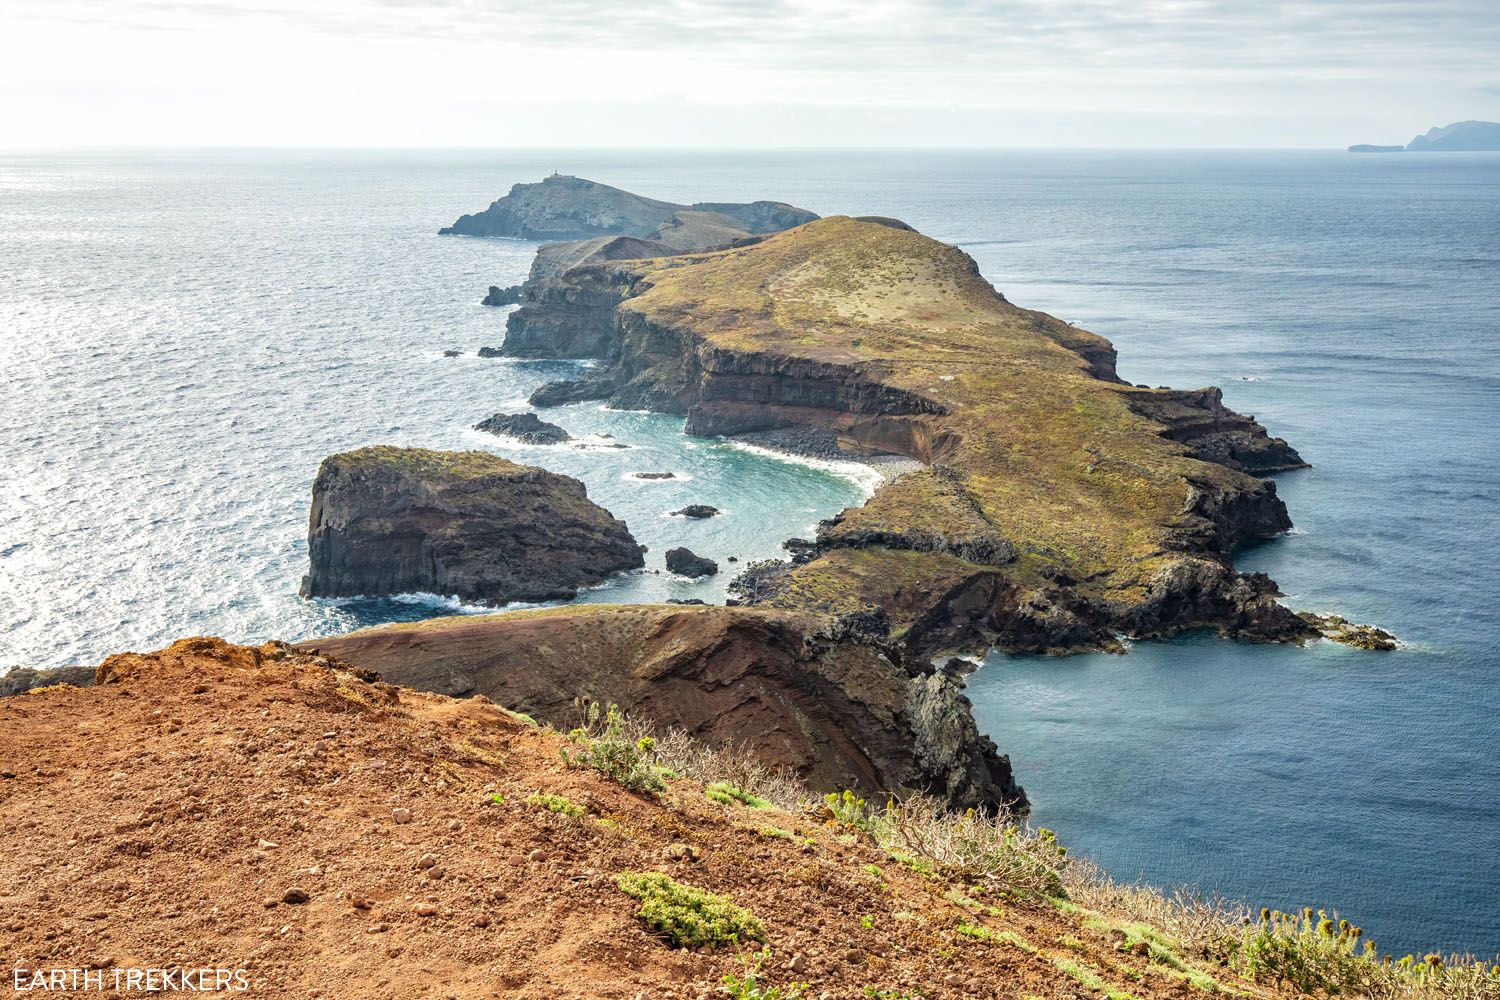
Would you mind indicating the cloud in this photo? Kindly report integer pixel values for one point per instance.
(1373, 63)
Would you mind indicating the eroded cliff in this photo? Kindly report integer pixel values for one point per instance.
(830, 699)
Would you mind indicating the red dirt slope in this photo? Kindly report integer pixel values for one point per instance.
(269, 811)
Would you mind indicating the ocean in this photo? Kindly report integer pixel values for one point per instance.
(185, 335)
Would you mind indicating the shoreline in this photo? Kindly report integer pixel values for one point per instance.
(796, 445)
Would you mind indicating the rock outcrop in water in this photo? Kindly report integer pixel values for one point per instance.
(527, 428)
(686, 562)
(1058, 507)
(390, 520)
(498, 296)
(826, 699)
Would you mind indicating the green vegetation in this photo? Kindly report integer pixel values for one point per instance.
(1090, 980)
(426, 463)
(555, 803)
(1311, 952)
(523, 718)
(749, 985)
(923, 834)
(848, 809)
(605, 745)
(876, 993)
(723, 791)
(686, 916)
(1015, 941)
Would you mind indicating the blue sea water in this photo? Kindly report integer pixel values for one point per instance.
(185, 335)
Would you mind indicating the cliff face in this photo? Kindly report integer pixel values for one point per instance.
(571, 208)
(839, 707)
(396, 520)
(1059, 507)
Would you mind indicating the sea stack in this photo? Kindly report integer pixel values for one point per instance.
(388, 520)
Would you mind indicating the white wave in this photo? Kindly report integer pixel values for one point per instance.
(867, 477)
(419, 598)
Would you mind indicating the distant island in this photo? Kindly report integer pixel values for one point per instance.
(1460, 137)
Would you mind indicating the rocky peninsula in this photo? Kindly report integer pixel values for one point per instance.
(1050, 506)
(1057, 507)
(390, 520)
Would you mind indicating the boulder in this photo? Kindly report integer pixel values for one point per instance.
(684, 562)
(388, 520)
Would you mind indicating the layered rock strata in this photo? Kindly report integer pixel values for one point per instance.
(829, 699)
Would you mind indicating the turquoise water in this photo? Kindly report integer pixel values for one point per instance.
(184, 336)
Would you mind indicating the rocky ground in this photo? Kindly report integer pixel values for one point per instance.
(264, 810)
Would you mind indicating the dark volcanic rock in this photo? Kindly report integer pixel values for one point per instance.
(654, 475)
(1212, 432)
(390, 520)
(525, 427)
(842, 712)
(1340, 629)
(697, 510)
(498, 296)
(684, 563)
(570, 391)
(453, 354)
(23, 679)
(491, 352)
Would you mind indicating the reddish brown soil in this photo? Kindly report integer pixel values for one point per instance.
(162, 818)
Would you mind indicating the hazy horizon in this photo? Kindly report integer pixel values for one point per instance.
(709, 74)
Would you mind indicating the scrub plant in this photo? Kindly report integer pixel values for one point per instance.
(607, 745)
(749, 985)
(689, 917)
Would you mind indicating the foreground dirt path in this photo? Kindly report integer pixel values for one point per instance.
(322, 835)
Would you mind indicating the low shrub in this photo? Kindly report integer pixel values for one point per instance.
(749, 986)
(555, 803)
(686, 916)
(723, 791)
(609, 746)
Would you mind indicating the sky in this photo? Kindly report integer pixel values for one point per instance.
(753, 73)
